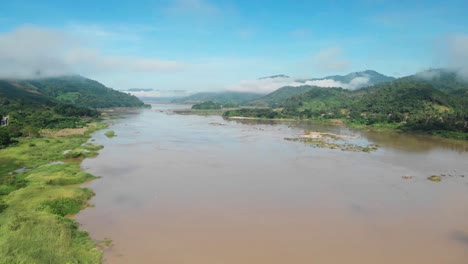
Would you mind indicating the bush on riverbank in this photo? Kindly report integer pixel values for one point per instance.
(110, 134)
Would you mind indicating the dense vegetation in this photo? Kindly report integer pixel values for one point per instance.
(438, 105)
(264, 113)
(54, 103)
(29, 111)
(227, 99)
(209, 105)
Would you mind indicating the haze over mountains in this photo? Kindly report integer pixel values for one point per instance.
(282, 85)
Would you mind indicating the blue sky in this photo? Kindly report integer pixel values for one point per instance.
(212, 45)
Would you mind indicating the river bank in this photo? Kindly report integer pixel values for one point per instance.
(378, 127)
(39, 192)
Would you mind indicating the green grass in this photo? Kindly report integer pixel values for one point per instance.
(34, 204)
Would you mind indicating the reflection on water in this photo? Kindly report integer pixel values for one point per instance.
(402, 141)
(416, 143)
(196, 189)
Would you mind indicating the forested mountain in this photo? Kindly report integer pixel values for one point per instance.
(80, 91)
(365, 78)
(439, 103)
(224, 98)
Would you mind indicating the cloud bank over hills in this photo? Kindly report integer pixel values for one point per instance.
(351, 81)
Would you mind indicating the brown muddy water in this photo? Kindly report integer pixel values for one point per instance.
(179, 189)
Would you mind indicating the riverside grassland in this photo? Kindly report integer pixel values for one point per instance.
(38, 193)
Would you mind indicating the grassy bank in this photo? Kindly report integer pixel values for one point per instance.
(38, 191)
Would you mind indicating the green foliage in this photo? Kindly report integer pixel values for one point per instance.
(413, 105)
(263, 113)
(209, 105)
(319, 102)
(37, 237)
(110, 134)
(5, 137)
(3, 206)
(63, 206)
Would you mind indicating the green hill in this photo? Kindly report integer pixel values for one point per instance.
(319, 102)
(413, 104)
(10, 91)
(81, 92)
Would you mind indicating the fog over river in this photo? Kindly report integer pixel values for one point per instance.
(200, 189)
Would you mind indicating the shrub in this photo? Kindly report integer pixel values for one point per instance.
(63, 206)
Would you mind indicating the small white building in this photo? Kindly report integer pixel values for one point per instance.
(4, 121)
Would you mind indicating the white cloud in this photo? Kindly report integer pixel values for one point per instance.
(30, 50)
(428, 75)
(357, 83)
(457, 46)
(452, 52)
(352, 85)
(269, 85)
(331, 60)
(261, 86)
(457, 49)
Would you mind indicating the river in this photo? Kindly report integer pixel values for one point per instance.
(203, 190)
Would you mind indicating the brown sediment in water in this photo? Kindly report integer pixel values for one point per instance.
(186, 192)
